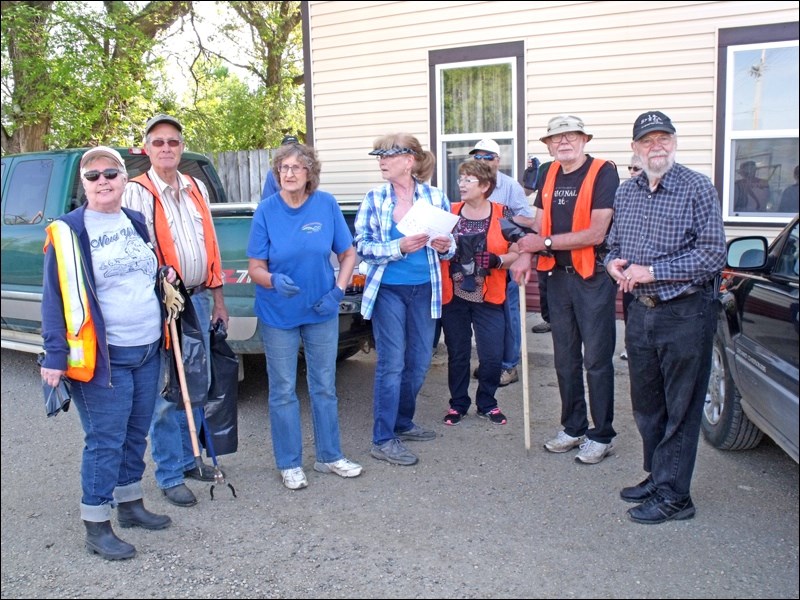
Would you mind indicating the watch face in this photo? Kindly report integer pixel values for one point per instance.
(548, 242)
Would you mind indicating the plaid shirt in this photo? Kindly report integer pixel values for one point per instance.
(677, 229)
(377, 248)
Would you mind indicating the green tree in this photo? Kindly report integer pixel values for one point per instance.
(74, 75)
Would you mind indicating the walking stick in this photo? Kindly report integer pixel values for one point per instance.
(526, 411)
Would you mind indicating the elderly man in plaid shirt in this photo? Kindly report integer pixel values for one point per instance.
(666, 247)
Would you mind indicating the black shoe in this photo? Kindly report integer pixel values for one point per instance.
(641, 492)
(101, 539)
(659, 510)
(134, 514)
(180, 495)
(543, 327)
(201, 473)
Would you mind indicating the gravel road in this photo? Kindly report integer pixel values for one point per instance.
(477, 517)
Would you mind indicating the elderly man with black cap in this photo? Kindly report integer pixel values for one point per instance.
(176, 208)
(575, 204)
(666, 247)
(510, 194)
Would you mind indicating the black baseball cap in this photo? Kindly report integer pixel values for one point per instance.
(653, 120)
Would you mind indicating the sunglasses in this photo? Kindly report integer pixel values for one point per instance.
(483, 156)
(634, 169)
(173, 143)
(107, 173)
(463, 180)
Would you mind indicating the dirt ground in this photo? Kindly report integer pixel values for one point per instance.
(477, 517)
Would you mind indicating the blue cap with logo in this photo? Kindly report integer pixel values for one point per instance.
(652, 120)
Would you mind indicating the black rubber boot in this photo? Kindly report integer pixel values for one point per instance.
(100, 539)
(134, 514)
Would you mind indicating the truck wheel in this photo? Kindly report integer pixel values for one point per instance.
(724, 423)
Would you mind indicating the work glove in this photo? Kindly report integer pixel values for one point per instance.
(284, 285)
(487, 260)
(328, 305)
(172, 298)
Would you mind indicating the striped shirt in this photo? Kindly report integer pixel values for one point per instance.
(377, 248)
(185, 223)
(677, 229)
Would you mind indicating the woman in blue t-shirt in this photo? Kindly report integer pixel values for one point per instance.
(297, 298)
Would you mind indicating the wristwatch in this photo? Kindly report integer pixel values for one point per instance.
(548, 243)
(652, 272)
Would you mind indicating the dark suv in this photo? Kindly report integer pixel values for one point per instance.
(753, 387)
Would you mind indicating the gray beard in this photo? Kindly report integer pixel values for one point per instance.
(659, 172)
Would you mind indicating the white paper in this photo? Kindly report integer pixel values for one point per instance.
(426, 218)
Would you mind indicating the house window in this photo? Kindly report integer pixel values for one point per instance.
(758, 158)
(477, 95)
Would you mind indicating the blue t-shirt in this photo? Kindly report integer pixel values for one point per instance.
(297, 242)
(412, 270)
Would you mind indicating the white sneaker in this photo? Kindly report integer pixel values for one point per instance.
(294, 479)
(563, 442)
(592, 452)
(342, 467)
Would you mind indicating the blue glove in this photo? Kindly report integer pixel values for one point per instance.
(284, 285)
(328, 305)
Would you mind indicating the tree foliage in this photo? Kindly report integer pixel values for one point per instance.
(79, 73)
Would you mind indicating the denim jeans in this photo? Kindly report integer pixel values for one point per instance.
(513, 334)
(403, 331)
(669, 353)
(583, 324)
(170, 441)
(459, 318)
(281, 346)
(115, 420)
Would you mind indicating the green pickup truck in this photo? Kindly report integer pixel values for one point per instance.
(38, 187)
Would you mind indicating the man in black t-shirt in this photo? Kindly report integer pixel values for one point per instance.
(574, 204)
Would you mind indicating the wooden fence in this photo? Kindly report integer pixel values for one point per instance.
(243, 173)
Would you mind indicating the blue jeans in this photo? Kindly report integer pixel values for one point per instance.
(115, 420)
(459, 318)
(669, 353)
(403, 331)
(583, 322)
(170, 441)
(513, 335)
(281, 346)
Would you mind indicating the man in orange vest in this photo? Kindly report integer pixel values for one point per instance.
(178, 218)
(574, 204)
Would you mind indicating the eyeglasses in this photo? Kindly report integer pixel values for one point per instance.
(570, 136)
(292, 169)
(633, 169)
(94, 175)
(173, 143)
(463, 180)
(661, 140)
(483, 156)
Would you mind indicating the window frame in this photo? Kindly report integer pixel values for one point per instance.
(728, 41)
(511, 52)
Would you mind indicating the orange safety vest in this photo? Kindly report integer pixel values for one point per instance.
(81, 333)
(165, 245)
(494, 284)
(583, 259)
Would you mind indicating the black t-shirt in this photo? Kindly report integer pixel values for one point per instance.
(565, 193)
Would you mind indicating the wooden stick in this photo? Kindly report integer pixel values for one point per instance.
(526, 409)
(187, 401)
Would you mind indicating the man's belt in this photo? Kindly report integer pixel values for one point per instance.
(653, 301)
(197, 289)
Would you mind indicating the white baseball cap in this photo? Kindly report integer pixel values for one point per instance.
(486, 145)
(102, 151)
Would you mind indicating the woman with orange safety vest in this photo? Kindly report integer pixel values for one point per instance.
(102, 328)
